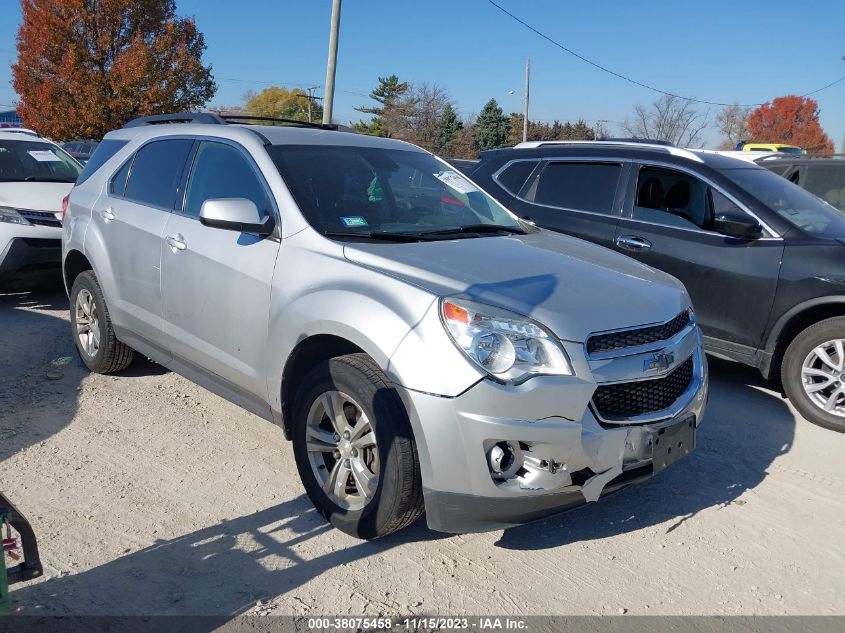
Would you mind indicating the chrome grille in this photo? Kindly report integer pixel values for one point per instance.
(641, 336)
(40, 218)
(630, 399)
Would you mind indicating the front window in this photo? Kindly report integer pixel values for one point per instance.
(827, 181)
(797, 206)
(373, 192)
(36, 161)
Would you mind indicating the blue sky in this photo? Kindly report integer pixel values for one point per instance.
(719, 50)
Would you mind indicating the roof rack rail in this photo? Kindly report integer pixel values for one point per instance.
(248, 118)
(636, 139)
(179, 117)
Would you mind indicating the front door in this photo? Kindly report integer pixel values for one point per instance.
(668, 224)
(216, 282)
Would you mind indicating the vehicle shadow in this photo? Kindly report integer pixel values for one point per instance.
(218, 570)
(40, 369)
(743, 431)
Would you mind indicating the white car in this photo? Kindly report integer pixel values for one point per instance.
(35, 176)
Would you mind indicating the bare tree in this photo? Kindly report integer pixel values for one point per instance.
(424, 107)
(732, 122)
(670, 119)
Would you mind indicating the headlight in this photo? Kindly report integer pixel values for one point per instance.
(508, 346)
(11, 216)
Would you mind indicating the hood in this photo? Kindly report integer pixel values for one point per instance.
(571, 286)
(36, 196)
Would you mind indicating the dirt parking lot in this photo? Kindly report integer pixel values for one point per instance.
(150, 495)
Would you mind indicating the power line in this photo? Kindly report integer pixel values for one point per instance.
(634, 81)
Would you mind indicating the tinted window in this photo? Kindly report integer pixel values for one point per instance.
(104, 151)
(827, 181)
(515, 175)
(789, 201)
(221, 171)
(118, 181)
(672, 198)
(581, 186)
(156, 172)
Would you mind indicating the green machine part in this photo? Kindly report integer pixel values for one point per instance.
(20, 562)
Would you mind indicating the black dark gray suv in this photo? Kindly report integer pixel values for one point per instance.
(763, 260)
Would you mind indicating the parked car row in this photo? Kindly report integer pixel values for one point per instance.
(438, 343)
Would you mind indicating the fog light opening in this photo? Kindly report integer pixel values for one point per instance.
(504, 459)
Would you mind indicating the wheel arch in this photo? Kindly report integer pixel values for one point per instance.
(795, 321)
(308, 353)
(74, 264)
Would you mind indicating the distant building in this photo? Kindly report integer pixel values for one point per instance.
(10, 118)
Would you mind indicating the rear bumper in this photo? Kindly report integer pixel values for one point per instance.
(565, 459)
(26, 257)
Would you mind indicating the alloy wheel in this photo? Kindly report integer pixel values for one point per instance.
(87, 322)
(823, 376)
(342, 450)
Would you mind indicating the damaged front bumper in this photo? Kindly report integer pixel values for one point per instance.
(557, 454)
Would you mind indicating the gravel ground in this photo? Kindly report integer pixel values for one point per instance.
(150, 495)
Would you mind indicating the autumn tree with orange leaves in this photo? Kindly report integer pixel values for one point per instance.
(85, 67)
(792, 120)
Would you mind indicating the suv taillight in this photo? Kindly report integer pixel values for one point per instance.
(65, 201)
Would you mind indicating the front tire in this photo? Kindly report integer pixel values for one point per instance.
(92, 330)
(813, 373)
(354, 448)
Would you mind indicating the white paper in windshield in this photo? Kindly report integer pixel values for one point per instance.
(455, 181)
(44, 156)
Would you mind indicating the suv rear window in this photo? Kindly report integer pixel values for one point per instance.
(104, 151)
(827, 181)
(156, 172)
(579, 186)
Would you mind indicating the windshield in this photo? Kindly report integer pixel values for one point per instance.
(796, 151)
(368, 191)
(35, 161)
(789, 201)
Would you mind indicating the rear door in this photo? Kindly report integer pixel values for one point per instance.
(580, 197)
(131, 219)
(668, 224)
(216, 282)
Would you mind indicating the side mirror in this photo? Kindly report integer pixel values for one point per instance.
(235, 214)
(737, 225)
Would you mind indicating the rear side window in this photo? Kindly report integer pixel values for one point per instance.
(118, 181)
(156, 172)
(221, 171)
(514, 175)
(579, 186)
(105, 150)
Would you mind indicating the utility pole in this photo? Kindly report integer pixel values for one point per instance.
(332, 63)
(525, 114)
(311, 98)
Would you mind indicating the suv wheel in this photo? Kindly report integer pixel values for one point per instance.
(95, 341)
(354, 448)
(813, 373)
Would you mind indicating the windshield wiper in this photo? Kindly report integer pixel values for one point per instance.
(476, 228)
(381, 235)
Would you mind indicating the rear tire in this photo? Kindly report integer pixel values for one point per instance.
(813, 373)
(92, 330)
(361, 471)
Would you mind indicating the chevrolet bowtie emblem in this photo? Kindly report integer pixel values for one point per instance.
(660, 361)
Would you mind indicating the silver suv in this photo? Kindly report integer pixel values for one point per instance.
(424, 349)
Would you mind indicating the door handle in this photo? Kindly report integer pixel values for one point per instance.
(176, 242)
(107, 214)
(632, 243)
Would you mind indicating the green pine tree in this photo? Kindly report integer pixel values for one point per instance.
(448, 125)
(388, 94)
(492, 127)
